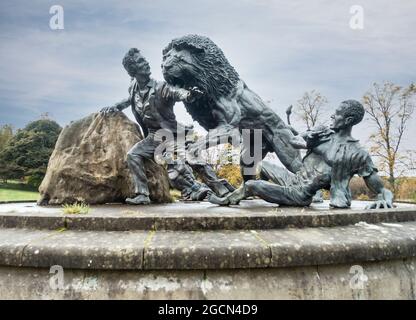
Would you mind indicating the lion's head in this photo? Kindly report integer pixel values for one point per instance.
(195, 60)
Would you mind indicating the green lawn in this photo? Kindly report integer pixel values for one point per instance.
(17, 192)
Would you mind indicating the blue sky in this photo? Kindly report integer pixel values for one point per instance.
(279, 48)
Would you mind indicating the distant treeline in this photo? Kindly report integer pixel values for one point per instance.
(24, 154)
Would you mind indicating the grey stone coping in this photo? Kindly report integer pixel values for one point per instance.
(251, 214)
(186, 250)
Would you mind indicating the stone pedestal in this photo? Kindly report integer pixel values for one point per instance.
(198, 250)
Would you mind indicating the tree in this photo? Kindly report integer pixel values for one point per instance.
(6, 133)
(390, 107)
(310, 108)
(27, 153)
(10, 171)
(411, 160)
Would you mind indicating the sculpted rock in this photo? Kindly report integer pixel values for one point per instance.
(89, 163)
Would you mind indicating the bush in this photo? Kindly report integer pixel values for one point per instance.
(325, 194)
(35, 178)
(359, 189)
(232, 173)
(406, 189)
(363, 197)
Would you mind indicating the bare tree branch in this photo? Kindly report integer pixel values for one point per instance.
(390, 107)
(310, 108)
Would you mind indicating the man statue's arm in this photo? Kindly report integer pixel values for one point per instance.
(179, 94)
(384, 196)
(117, 107)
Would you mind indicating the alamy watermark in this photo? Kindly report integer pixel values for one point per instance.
(357, 18)
(56, 22)
(57, 281)
(359, 279)
(178, 146)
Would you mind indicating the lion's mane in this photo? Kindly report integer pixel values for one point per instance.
(215, 75)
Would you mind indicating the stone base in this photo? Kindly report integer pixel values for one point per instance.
(395, 279)
(201, 251)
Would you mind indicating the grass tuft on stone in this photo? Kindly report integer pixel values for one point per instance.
(76, 208)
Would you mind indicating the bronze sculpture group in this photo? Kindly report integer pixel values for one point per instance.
(197, 73)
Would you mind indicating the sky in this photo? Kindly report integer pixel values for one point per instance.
(280, 49)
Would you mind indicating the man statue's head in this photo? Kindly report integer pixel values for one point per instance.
(348, 114)
(136, 65)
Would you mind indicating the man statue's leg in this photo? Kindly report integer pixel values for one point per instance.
(281, 176)
(135, 159)
(182, 178)
(266, 171)
(297, 195)
(221, 187)
(276, 174)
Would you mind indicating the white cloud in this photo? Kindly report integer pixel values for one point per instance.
(280, 48)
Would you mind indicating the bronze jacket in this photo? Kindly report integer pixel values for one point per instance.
(156, 110)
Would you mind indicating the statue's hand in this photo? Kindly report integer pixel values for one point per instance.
(108, 110)
(319, 134)
(384, 200)
(310, 135)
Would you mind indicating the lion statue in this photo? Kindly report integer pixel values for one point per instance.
(227, 103)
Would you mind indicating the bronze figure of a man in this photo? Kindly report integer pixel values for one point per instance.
(152, 105)
(333, 158)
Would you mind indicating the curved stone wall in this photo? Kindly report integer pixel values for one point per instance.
(255, 251)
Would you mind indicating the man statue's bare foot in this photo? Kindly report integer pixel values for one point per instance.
(141, 199)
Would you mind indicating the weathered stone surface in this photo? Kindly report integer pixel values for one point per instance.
(34, 283)
(271, 283)
(385, 280)
(205, 250)
(88, 163)
(14, 241)
(153, 263)
(184, 250)
(308, 263)
(251, 214)
(87, 250)
(72, 249)
(357, 243)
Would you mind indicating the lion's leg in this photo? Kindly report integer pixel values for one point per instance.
(281, 144)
